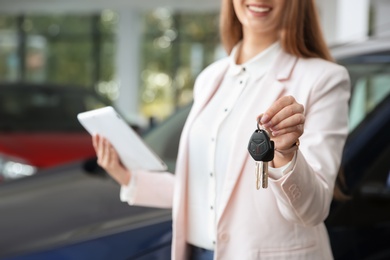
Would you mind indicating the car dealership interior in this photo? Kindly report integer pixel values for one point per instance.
(61, 58)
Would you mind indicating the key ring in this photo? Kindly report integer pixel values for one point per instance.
(260, 126)
(259, 123)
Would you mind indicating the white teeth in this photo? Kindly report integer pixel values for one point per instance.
(259, 9)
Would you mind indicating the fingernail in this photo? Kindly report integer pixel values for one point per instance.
(264, 119)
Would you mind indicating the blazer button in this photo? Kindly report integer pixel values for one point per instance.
(295, 192)
(224, 237)
(292, 187)
(297, 196)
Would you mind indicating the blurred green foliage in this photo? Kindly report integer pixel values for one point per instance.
(81, 50)
(177, 46)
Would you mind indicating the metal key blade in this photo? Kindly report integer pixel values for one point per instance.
(257, 175)
(264, 174)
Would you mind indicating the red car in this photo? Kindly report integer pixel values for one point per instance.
(39, 127)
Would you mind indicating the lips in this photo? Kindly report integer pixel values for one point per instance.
(259, 9)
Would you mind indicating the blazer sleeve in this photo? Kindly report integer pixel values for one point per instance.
(150, 189)
(304, 195)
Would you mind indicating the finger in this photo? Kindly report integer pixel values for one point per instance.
(285, 141)
(114, 154)
(293, 120)
(277, 106)
(101, 149)
(296, 129)
(107, 154)
(95, 140)
(112, 158)
(285, 113)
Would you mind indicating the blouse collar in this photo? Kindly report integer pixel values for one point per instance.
(256, 66)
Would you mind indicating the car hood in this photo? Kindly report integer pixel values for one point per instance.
(47, 149)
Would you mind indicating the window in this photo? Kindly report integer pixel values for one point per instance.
(9, 63)
(370, 78)
(62, 49)
(53, 108)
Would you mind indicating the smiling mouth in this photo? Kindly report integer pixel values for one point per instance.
(258, 9)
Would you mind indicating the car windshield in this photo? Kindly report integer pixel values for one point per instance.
(370, 78)
(43, 109)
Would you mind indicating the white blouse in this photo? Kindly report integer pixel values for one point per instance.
(210, 143)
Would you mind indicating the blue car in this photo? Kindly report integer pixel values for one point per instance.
(74, 212)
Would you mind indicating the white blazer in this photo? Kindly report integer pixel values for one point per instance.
(284, 221)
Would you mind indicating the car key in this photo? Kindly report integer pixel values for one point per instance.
(261, 148)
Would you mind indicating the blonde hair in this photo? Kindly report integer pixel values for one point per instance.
(300, 30)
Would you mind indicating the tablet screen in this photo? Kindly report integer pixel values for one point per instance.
(132, 150)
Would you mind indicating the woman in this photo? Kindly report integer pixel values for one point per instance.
(280, 72)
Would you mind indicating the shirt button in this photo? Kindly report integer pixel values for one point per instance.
(214, 242)
(226, 109)
(240, 81)
(211, 207)
(243, 69)
(211, 174)
(212, 139)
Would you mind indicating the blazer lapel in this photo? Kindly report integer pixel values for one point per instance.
(274, 79)
(209, 89)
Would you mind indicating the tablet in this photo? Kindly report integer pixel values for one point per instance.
(132, 151)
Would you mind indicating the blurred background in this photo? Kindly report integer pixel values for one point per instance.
(60, 58)
(142, 55)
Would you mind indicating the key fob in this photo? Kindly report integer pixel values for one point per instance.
(260, 146)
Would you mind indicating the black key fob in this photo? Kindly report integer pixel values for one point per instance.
(260, 146)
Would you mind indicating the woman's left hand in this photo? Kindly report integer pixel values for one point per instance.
(285, 121)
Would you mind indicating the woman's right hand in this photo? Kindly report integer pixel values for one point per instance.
(108, 159)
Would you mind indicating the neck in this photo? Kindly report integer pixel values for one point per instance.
(253, 45)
